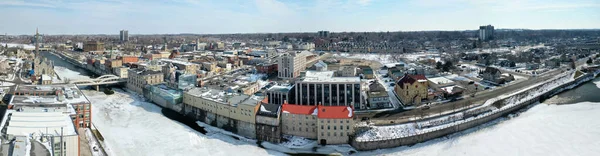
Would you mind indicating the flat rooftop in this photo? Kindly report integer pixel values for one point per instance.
(223, 97)
(327, 76)
(48, 95)
(51, 123)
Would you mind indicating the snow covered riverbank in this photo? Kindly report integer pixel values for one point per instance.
(66, 73)
(132, 126)
(541, 130)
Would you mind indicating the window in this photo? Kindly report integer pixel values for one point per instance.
(348, 127)
(328, 127)
(334, 127)
(322, 126)
(322, 134)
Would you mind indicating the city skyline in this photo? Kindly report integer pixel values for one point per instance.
(275, 16)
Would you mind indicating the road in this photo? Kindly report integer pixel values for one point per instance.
(400, 116)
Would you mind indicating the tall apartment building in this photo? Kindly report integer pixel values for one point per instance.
(138, 78)
(323, 33)
(93, 46)
(291, 64)
(124, 36)
(486, 33)
(320, 87)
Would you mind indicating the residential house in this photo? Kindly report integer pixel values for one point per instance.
(412, 89)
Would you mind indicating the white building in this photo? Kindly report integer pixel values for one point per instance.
(55, 128)
(291, 64)
(321, 87)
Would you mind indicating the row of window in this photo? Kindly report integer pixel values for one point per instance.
(335, 127)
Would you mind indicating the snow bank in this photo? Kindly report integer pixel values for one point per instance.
(131, 126)
(597, 83)
(300, 145)
(542, 130)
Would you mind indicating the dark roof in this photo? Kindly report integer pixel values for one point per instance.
(376, 87)
(491, 70)
(410, 79)
(271, 109)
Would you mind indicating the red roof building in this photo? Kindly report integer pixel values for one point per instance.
(335, 112)
(298, 109)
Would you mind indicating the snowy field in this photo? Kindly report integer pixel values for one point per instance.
(542, 130)
(381, 58)
(66, 73)
(131, 126)
(24, 46)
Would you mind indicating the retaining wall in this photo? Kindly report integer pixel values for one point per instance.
(465, 124)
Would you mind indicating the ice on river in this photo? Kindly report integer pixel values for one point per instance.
(542, 130)
(131, 126)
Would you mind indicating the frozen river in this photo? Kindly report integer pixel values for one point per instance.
(542, 130)
(134, 127)
(131, 126)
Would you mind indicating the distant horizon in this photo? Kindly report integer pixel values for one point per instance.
(72, 17)
(130, 34)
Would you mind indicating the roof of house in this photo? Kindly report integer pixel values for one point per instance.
(408, 78)
(491, 70)
(375, 86)
(335, 112)
(298, 109)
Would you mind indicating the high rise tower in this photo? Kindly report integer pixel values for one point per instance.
(36, 40)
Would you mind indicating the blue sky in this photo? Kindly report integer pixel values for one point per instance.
(251, 16)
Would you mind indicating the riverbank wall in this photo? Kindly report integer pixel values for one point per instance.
(475, 121)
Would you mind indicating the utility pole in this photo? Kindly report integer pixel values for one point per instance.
(61, 142)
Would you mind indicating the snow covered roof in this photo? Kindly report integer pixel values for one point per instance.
(327, 76)
(24, 123)
(335, 112)
(440, 80)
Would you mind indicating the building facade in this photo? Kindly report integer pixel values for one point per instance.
(290, 65)
(486, 33)
(229, 111)
(93, 46)
(335, 124)
(377, 97)
(124, 35)
(268, 122)
(299, 120)
(412, 89)
(320, 87)
(137, 79)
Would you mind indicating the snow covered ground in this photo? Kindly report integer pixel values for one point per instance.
(381, 58)
(66, 73)
(5, 84)
(131, 126)
(542, 130)
(597, 83)
(24, 46)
